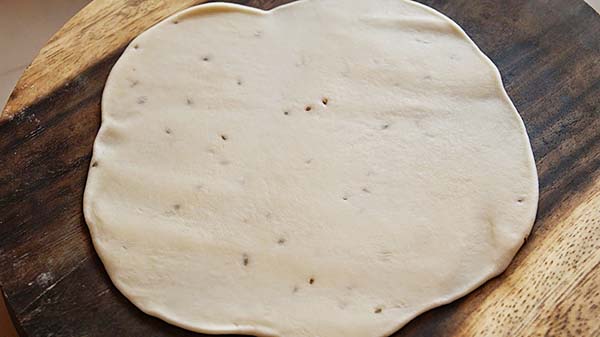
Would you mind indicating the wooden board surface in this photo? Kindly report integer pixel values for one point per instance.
(549, 55)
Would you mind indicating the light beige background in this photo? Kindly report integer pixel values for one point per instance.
(25, 25)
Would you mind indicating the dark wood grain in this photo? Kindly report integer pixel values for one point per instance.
(549, 55)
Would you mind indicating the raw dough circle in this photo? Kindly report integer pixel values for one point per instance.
(328, 168)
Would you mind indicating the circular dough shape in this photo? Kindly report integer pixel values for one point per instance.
(327, 168)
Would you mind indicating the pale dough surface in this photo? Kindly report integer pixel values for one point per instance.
(330, 168)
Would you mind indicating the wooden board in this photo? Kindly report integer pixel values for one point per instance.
(549, 55)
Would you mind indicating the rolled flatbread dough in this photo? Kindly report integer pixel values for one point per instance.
(328, 168)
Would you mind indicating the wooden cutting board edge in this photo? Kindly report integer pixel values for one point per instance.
(68, 54)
